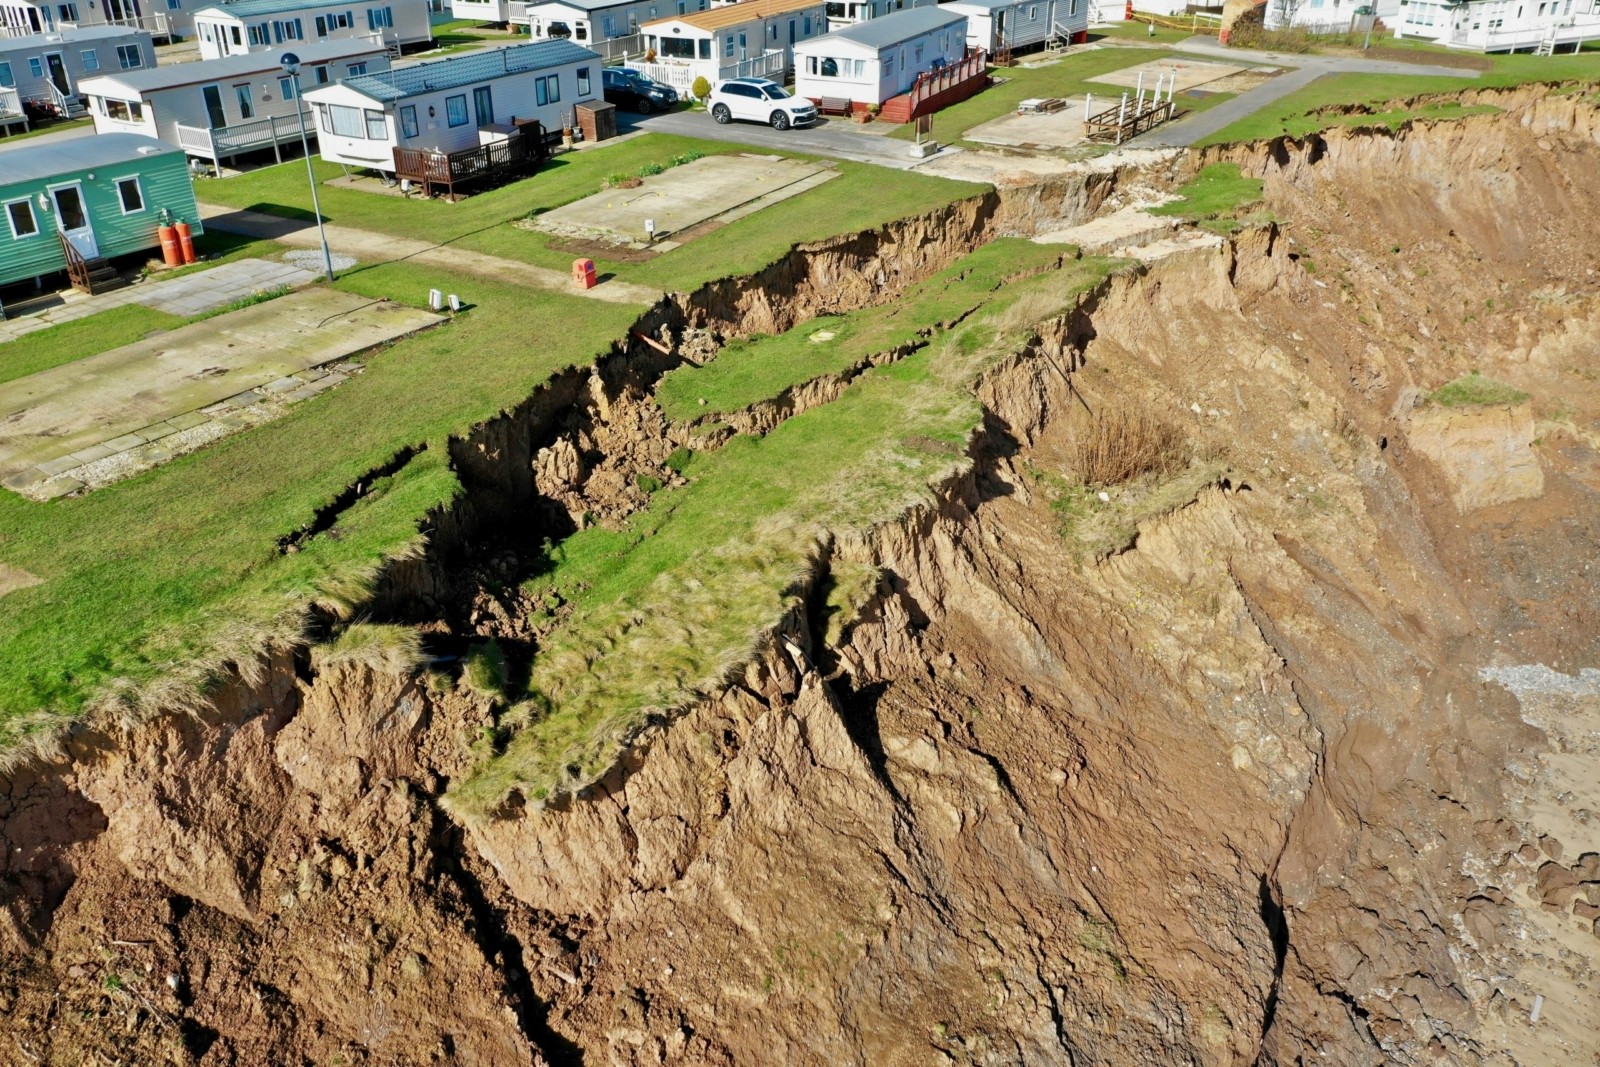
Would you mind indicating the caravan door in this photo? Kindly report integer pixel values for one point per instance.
(73, 220)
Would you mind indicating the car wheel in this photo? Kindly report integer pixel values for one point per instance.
(722, 114)
(646, 105)
(780, 121)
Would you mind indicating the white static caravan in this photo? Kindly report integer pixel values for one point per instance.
(219, 108)
(842, 13)
(46, 68)
(1540, 26)
(235, 27)
(446, 105)
(872, 61)
(1023, 25)
(610, 27)
(750, 39)
(160, 18)
(1326, 16)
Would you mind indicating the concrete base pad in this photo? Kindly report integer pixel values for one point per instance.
(716, 188)
(1190, 73)
(62, 424)
(1061, 129)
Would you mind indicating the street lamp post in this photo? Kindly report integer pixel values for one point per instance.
(291, 66)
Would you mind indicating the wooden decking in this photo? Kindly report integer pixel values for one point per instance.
(937, 89)
(1125, 120)
(443, 171)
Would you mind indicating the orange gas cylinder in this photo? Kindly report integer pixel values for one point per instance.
(185, 242)
(170, 252)
(583, 273)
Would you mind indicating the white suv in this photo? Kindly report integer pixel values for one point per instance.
(760, 100)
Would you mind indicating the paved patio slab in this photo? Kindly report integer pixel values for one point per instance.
(684, 197)
(90, 410)
(1060, 129)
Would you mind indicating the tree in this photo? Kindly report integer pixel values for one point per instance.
(701, 88)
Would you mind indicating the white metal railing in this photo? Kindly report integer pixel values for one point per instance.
(682, 75)
(10, 102)
(221, 142)
(157, 25)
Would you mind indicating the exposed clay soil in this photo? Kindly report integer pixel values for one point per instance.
(1240, 793)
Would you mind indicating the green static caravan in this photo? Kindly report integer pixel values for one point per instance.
(104, 195)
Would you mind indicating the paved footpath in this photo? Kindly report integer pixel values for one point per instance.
(1303, 70)
(364, 246)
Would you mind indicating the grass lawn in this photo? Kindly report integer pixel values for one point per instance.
(1066, 78)
(54, 127)
(1140, 31)
(1296, 114)
(665, 607)
(92, 334)
(859, 199)
(144, 578)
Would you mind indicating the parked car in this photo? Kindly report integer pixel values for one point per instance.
(760, 100)
(632, 91)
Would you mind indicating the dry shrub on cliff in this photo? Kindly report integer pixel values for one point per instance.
(1125, 442)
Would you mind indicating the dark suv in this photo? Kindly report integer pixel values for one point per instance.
(632, 91)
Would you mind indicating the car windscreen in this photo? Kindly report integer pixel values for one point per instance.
(775, 93)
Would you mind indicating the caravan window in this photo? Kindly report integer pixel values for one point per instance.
(124, 110)
(344, 121)
(677, 48)
(19, 213)
(377, 126)
(91, 59)
(6, 78)
(408, 120)
(130, 196)
(455, 109)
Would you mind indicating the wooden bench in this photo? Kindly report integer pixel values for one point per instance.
(834, 105)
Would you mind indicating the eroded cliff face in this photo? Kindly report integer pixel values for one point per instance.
(1231, 792)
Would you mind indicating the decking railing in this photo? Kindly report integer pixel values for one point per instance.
(11, 113)
(223, 142)
(426, 168)
(77, 266)
(157, 25)
(930, 84)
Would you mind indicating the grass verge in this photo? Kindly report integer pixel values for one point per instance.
(1304, 111)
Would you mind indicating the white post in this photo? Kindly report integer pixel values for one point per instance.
(1122, 110)
(1087, 97)
(1172, 85)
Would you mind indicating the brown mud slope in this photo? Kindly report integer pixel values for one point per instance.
(1237, 792)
